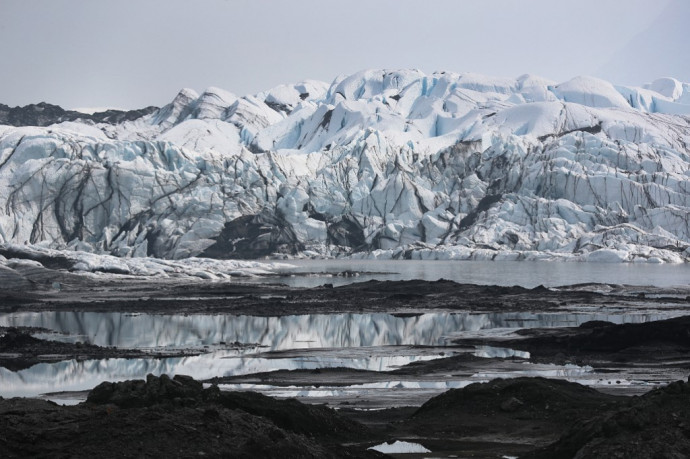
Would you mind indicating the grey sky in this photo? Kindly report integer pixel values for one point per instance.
(132, 53)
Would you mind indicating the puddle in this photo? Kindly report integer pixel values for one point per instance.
(73, 375)
(376, 342)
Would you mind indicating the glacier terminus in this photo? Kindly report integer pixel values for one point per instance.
(378, 164)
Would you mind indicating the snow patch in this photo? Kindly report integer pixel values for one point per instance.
(400, 447)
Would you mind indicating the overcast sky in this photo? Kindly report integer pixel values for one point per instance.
(133, 53)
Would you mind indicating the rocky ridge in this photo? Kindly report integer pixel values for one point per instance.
(44, 114)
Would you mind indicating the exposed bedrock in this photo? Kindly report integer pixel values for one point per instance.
(44, 114)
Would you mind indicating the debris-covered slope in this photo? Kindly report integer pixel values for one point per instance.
(381, 164)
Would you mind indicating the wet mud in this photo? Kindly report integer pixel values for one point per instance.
(524, 416)
(169, 296)
(20, 350)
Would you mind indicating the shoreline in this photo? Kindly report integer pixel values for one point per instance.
(383, 398)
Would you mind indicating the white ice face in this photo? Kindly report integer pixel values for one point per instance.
(383, 163)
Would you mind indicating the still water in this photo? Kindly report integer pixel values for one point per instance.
(241, 345)
(160, 332)
(527, 274)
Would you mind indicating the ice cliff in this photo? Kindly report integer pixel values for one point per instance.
(376, 164)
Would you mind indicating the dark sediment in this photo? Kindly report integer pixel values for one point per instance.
(531, 417)
(81, 293)
(662, 342)
(604, 337)
(534, 416)
(524, 408)
(20, 350)
(655, 425)
(163, 417)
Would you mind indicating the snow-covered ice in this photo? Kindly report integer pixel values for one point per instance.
(80, 262)
(379, 164)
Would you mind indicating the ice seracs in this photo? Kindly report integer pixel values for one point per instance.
(590, 92)
(378, 164)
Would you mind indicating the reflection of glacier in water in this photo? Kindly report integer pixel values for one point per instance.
(377, 342)
(75, 375)
(291, 332)
(410, 392)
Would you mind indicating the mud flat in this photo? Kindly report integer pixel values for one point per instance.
(525, 417)
(181, 296)
(459, 369)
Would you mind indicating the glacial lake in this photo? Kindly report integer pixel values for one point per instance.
(235, 345)
(242, 345)
(527, 274)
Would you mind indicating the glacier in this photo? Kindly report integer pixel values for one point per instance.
(378, 164)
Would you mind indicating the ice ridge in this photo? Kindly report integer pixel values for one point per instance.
(377, 164)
